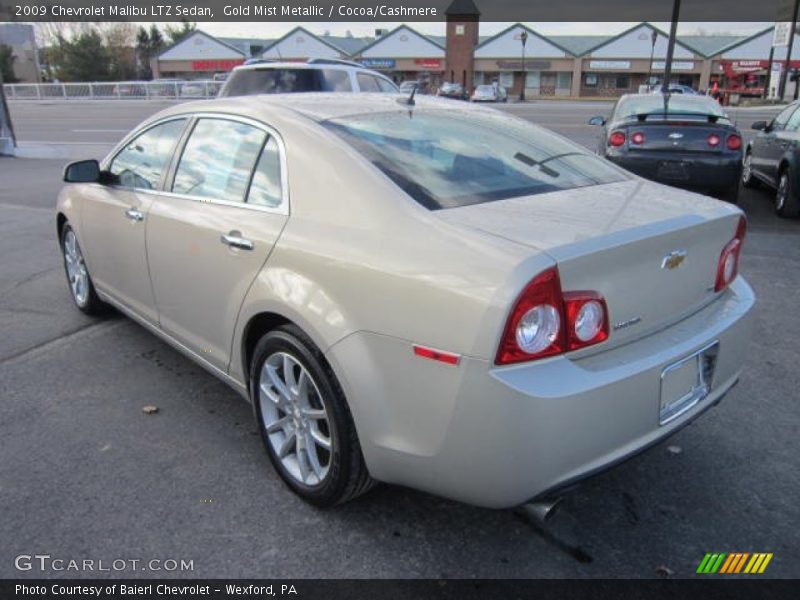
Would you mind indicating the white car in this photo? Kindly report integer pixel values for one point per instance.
(430, 294)
(259, 76)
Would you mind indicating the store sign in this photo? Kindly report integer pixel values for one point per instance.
(530, 65)
(620, 65)
(378, 63)
(216, 65)
(428, 63)
(781, 34)
(677, 65)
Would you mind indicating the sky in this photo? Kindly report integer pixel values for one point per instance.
(274, 30)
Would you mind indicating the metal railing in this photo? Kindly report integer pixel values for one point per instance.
(118, 90)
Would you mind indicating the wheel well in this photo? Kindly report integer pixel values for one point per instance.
(783, 166)
(60, 222)
(258, 325)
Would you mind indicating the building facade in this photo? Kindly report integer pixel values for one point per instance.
(548, 66)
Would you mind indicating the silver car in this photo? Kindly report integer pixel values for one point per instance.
(433, 295)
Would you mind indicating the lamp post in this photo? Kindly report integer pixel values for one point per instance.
(653, 38)
(523, 37)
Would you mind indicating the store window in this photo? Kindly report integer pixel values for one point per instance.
(564, 81)
(506, 80)
(590, 80)
(623, 82)
(533, 79)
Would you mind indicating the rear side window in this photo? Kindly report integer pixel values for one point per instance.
(142, 161)
(218, 160)
(248, 82)
(265, 189)
(446, 159)
(367, 83)
(387, 87)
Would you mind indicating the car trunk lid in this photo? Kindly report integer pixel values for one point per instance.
(650, 250)
(676, 134)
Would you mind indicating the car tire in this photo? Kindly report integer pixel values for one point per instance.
(787, 203)
(748, 180)
(301, 408)
(78, 279)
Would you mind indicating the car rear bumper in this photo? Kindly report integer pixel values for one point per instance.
(697, 171)
(498, 437)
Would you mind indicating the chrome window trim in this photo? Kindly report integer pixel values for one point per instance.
(192, 119)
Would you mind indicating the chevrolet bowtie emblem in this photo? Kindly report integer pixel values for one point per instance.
(673, 260)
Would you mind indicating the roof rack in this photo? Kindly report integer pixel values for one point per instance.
(334, 61)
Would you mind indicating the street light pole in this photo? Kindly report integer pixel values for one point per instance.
(653, 37)
(673, 32)
(523, 37)
(786, 66)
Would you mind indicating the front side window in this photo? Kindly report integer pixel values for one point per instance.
(780, 121)
(445, 160)
(218, 160)
(386, 86)
(142, 161)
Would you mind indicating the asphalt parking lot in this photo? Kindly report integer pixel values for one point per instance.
(85, 474)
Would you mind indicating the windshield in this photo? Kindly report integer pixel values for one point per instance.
(445, 160)
(485, 89)
(247, 82)
(678, 104)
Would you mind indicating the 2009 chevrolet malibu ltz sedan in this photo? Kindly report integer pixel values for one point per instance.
(414, 292)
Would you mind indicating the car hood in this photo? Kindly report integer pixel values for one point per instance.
(549, 221)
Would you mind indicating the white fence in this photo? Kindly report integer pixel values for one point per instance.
(120, 90)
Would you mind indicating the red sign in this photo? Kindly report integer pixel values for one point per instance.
(733, 68)
(428, 63)
(216, 64)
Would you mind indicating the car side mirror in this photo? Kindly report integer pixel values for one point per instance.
(760, 126)
(597, 121)
(82, 171)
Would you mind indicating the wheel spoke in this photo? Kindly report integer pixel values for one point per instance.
(313, 459)
(319, 439)
(288, 373)
(302, 458)
(314, 413)
(279, 425)
(289, 443)
(302, 387)
(278, 383)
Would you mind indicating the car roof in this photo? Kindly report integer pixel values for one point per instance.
(280, 109)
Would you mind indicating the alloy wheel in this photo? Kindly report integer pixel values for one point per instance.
(77, 274)
(783, 192)
(747, 169)
(295, 419)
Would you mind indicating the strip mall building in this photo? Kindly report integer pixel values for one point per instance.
(567, 66)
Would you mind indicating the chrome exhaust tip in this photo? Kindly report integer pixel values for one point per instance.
(541, 511)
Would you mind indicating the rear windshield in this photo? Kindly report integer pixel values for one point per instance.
(248, 82)
(445, 160)
(657, 105)
(485, 88)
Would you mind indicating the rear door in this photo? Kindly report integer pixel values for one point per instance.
(209, 237)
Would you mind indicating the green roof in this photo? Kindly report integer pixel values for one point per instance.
(709, 45)
(578, 44)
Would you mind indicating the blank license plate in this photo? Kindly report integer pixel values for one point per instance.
(686, 382)
(674, 170)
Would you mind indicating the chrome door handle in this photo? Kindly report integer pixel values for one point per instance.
(234, 239)
(134, 215)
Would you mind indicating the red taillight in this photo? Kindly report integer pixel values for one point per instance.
(713, 140)
(728, 266)
(616, 139)
(637, 138)
(545, 321)
(586, 318)
(734, 142)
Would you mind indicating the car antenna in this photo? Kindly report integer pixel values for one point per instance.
(410, 99)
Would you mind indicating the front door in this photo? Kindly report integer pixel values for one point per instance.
(208, 239)
(114, 218)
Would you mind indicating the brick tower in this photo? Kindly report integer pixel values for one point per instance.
(463, 18)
